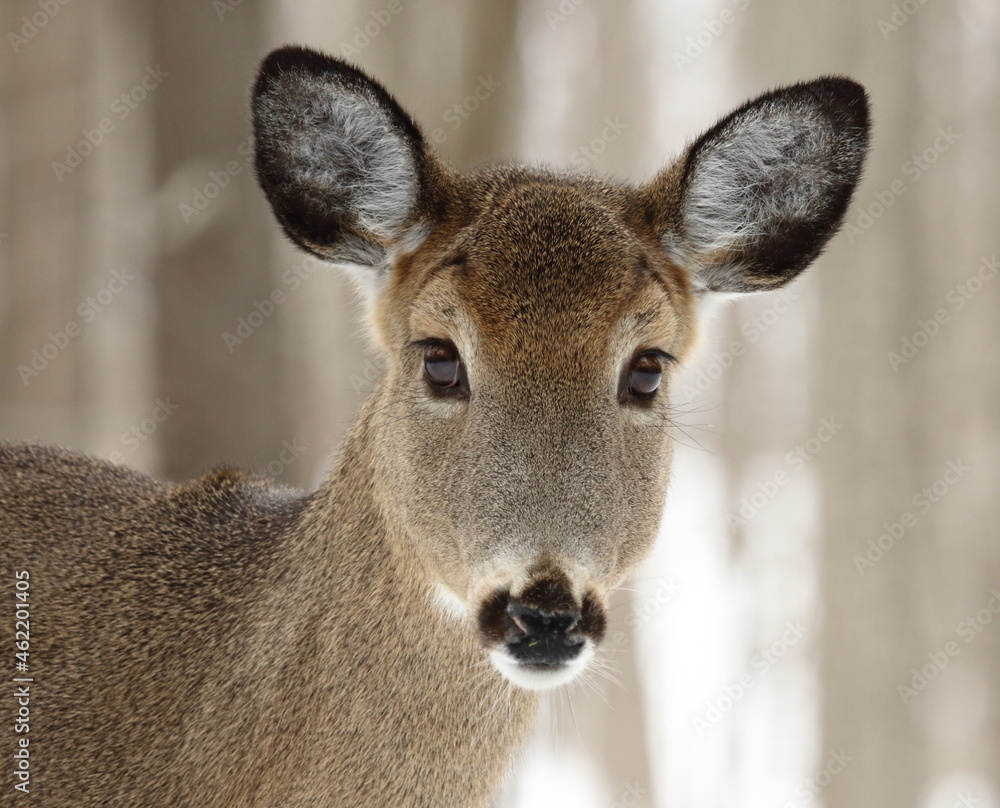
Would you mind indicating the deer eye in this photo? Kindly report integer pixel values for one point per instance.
(443, 366)
(644, 376)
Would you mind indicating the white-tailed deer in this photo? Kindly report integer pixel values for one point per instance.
(381, 641)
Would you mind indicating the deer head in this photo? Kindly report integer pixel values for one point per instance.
(531, 323)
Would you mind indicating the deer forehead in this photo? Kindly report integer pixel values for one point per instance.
(546, 269)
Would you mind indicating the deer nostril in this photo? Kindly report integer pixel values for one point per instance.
(541, 636)
(517, 621)
(532, 621)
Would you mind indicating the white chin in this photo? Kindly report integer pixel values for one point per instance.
(534, 679)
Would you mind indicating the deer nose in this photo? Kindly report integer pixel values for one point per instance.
(542, 636)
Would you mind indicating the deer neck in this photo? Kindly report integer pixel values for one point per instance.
(351, 506)
(397, 654)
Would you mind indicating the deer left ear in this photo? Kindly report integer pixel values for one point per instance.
(755, 199)
(341, 163)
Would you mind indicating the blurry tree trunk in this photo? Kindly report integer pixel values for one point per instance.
(43, 231)
(218, 347)
(462, 88)
(903, 568)
(489, 122)
(75, 299)
(870, 623)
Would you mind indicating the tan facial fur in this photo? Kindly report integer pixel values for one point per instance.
(542, 459)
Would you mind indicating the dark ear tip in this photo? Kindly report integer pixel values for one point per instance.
(296, 59)
(842, 97)
(306, 63)
(838, 86)
(286, 56)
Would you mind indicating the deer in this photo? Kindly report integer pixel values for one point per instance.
(385, 639)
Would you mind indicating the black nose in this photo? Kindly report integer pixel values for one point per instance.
(542, 636)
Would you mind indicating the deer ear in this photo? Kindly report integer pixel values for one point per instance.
(755, 199)
(338, 159)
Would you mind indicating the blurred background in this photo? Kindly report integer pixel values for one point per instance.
(820, 621)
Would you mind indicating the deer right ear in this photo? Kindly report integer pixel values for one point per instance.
(338, 159)
(755, 199)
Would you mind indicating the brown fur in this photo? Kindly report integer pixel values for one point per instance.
(226, 642)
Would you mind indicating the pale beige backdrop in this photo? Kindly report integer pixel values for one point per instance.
(819, 623)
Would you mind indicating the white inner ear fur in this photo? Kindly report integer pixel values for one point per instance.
(771, 165)
(342, 145)
(370, 279)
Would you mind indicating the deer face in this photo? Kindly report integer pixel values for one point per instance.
(531, 324)
(525, 407)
